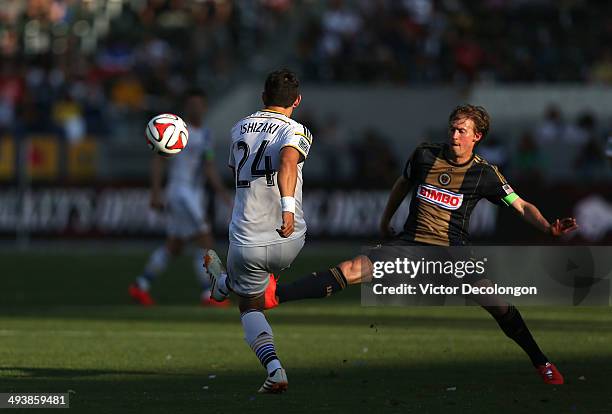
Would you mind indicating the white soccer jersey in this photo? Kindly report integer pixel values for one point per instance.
(185, 169)
(255, 155)
(185, 189)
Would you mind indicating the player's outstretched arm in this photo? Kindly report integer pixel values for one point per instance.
(399, 191)
(287, 179)
(532, 215)
(158, 166)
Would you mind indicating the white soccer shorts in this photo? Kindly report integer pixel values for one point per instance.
(248, 268)
(185, 213)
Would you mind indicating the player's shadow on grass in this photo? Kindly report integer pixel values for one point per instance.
(359, 385)
(29, 372)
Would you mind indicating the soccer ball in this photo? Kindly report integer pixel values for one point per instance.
(166, 134)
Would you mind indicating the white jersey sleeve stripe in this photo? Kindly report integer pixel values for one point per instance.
(305, 136)
(299, 141)
(301, 151)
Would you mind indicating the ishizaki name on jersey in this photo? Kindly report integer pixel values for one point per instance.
(255, 157)
(259, 127)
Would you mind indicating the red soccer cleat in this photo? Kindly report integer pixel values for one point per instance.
(550, 374)
(270, 298)
(211, 303)
(207, 301)
(140, 296)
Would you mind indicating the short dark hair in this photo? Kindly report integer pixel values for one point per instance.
(281, 89)
(477, 114)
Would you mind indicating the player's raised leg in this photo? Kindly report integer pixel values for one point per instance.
(205, 241)
(219, 290)
(319, 284)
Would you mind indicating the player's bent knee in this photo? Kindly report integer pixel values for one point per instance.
(357, 270)
(347, 270)
(251, 303)
(495, 305)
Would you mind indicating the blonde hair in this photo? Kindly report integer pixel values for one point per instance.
(477, 114)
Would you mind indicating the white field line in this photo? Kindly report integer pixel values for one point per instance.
(388, 337)
(89, 333)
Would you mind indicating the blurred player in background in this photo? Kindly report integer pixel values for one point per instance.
(184, 203)
(435, 170)
(268, 229)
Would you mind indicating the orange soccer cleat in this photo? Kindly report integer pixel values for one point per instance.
(140, 296)
(276, 383)
(270, 298)
(550, 374)
(209, 302)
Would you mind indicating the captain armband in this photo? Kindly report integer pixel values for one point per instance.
(510, 198)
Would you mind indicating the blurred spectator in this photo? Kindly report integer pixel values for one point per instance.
(11, 94)
(359, 40)
(94, 109)
(591, 161)
(11, 11)
(128, 93)
(307, 50)
(552, 128)
(602, 69)
(340, 26)
(331, 145)
(497, 40)
(115, 58)
(7, 115)
(529, 162)
(590, 153)
(67, 62)
(469, 57)
(68, 115)
(581, 132)
(374, 161)
(494, 151)
(573, 144)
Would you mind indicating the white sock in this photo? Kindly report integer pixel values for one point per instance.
(258, 334)
(143, 283)
(222, 283)
(158, 262)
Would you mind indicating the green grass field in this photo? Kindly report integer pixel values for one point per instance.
(66, 325)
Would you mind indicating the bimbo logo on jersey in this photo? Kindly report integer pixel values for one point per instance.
(443, 198)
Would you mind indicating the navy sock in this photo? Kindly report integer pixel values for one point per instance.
(514, 327)
(315, 285)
